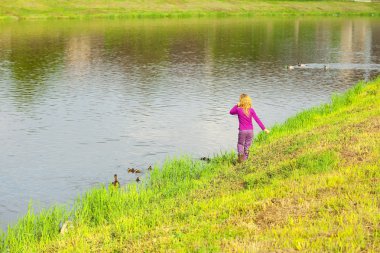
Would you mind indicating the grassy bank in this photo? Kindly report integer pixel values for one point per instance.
(312, 185)
(37, 9)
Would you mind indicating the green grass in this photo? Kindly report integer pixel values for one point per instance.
(44, 9)
(311, 185)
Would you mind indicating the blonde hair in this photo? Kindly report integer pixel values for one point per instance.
(245, 103)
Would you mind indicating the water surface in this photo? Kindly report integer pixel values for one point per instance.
(82, 100)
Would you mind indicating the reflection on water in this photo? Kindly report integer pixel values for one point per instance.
(82, 100)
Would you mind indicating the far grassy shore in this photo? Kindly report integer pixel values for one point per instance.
(45, 9)
(311, 185)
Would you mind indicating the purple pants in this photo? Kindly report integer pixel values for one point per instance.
(244, 142)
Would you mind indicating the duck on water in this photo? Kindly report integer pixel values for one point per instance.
(298, 65)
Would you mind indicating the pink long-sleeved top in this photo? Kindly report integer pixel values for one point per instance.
(245, 122)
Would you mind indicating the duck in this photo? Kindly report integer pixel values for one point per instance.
(138, 179)
(325, 67)
(137, 171)
(301, 65)
(150, 167)
(131, 170)
(289, 67)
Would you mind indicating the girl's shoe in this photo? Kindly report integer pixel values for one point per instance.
(241, 158)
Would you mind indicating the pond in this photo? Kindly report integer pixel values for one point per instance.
(83, 100)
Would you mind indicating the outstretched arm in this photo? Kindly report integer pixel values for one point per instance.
(258, 121)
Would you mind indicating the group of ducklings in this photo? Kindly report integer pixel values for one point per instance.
(206, 159)
(130, 170)
(133, 170)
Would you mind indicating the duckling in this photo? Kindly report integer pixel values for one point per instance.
(116, 182)
(150, 167)
(137, 171)
(131, 170)
(325, 67)
(138, 179)
(289, 67)
(301, 65)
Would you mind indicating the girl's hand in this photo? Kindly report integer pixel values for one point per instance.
(267, 131)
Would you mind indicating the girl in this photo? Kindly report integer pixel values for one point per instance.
(245, 114)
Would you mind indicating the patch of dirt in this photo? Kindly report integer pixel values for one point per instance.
(278, 211)
(356, 135)
(239, 245)
(328, 191)
(223, 184)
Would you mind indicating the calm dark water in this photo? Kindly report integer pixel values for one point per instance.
(82, 100)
